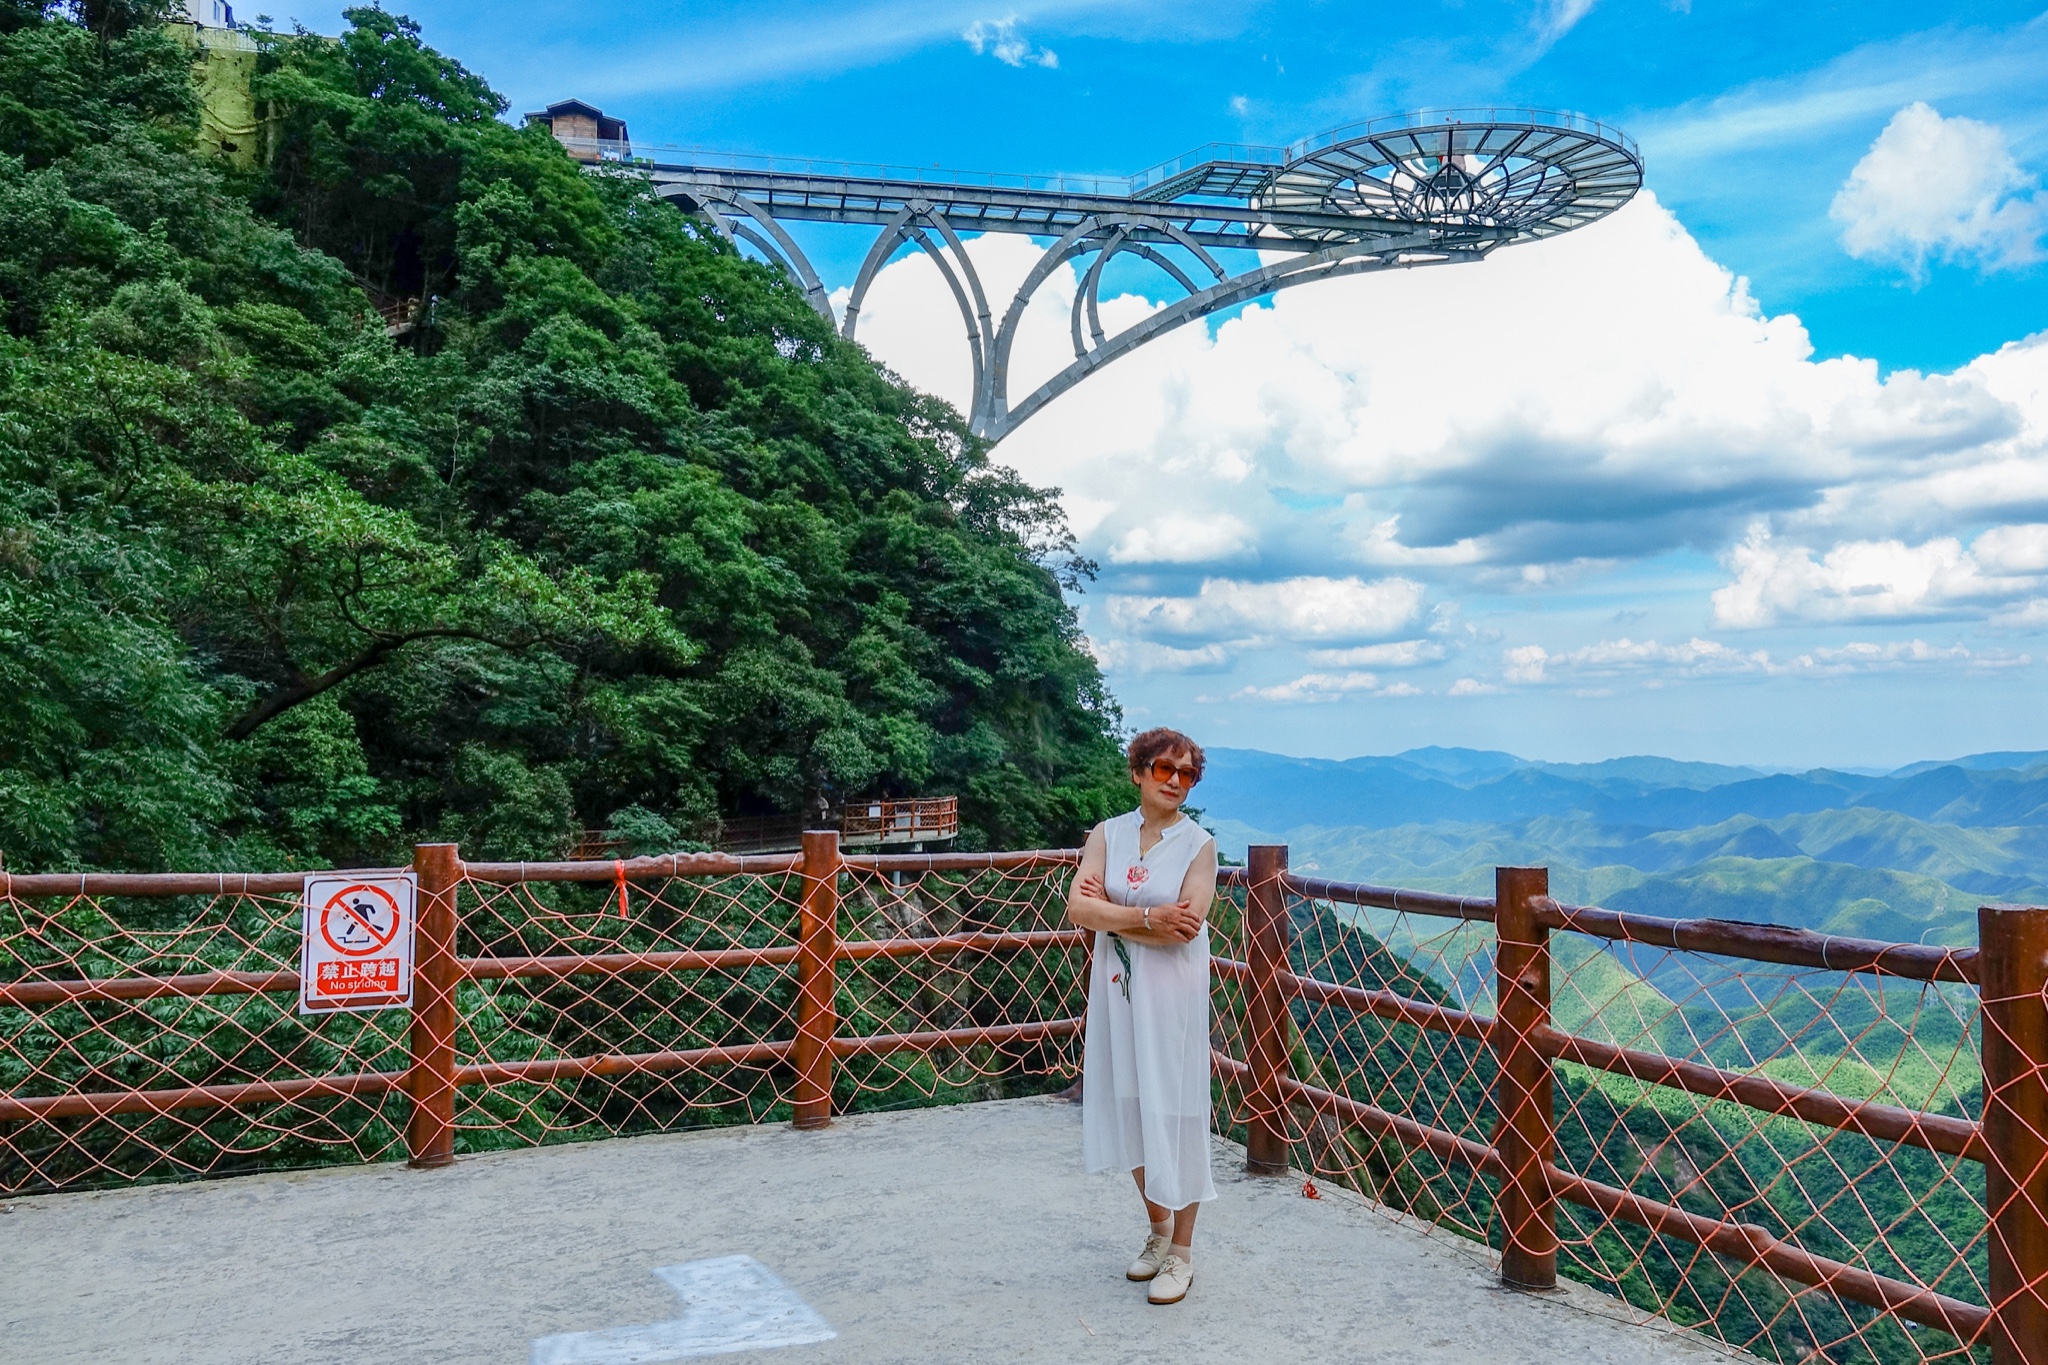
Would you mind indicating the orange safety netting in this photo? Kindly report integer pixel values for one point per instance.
(1411, 1114)
(71, 1042)
(1399, 1069)
(149, 1037)
(1890, 1209)
(686, 1008)
(1839, 1137)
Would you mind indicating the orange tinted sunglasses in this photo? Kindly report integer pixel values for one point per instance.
(1162, 771)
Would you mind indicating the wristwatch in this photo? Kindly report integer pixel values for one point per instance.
(1148, 918)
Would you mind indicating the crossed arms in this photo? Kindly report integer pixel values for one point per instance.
(1089, 906)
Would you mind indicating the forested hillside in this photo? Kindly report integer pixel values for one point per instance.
(620, 535)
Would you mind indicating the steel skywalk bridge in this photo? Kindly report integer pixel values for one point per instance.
(1415, 189)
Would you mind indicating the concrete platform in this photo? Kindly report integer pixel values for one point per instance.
(957, 1234)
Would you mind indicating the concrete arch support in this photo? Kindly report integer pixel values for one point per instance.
(871, 265)
(724, 209)
(913, 223)
(1328, 264)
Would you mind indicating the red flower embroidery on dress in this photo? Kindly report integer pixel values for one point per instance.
(1137, 875)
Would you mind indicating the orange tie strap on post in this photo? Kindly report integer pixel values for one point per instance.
(430, 1135)
(2013, 983)
(817, 1017)
(1266, 1014)
(1522, 1086)
(619, 879)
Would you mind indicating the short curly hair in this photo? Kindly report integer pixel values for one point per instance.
(1160, 741)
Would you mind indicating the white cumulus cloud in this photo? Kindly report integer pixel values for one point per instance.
(1146, 656)
(999, 39)
(1704, 658)
(1393, 654)
(1940, 188)
(1637, 400)
(1318, 610)
(1525, 663)
(1866, 580)
(1319, 473)
(1314, 687)
(1693, 656)
(1178, 538)
(2013, 549)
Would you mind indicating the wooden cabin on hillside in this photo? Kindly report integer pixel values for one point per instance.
(585, 131)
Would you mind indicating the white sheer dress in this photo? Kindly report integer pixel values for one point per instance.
(1145, 1066)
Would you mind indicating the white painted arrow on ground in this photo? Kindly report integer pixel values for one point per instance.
(731, 1303)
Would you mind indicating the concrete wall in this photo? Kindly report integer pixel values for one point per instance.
(224, 62)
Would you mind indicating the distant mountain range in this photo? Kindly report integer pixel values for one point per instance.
(1903, 854)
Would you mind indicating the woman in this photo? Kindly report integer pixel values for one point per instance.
(1145, 885)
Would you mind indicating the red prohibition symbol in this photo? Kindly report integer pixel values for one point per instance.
(359, 920)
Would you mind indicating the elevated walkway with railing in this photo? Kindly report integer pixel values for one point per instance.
(900, 824)
(903, 824)
(1811, 1148)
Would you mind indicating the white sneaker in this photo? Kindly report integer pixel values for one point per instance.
(1171, 1284)
(1150, 1259)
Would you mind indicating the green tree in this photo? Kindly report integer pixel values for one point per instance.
(620, 533)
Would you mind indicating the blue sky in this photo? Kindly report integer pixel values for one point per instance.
(1799, 560)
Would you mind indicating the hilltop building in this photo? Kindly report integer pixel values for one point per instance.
(208, 13)
(585, 131)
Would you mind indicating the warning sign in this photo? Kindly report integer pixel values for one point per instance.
(358, 942)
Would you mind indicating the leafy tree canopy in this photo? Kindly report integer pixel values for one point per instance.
(620, 535)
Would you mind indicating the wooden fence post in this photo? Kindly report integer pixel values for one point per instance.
(1522, 1090)
(430, 1080)
(1267, 1019)
(817, 984)
(2013, 986)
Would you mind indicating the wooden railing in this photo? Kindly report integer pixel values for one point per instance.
(2009, 969)
(115, 1005)
(925, 819)
(885, 823)
(77, 1011)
